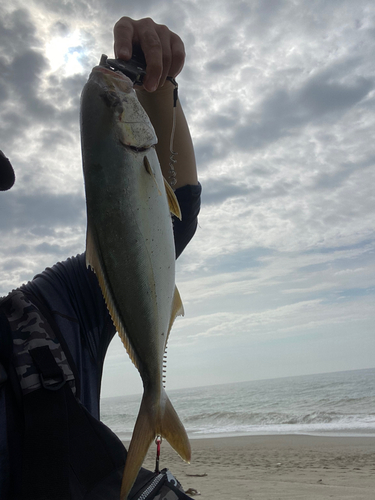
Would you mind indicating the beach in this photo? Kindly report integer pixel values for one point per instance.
(308, 437)
(275, 467)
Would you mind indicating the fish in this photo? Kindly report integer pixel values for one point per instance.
(130, 247)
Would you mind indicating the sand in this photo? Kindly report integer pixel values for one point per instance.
(275, 467)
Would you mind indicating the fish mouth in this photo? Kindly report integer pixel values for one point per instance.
(114, 74)
(111, 79)
(112, 82)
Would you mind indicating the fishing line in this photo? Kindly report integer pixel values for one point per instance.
(172, 159)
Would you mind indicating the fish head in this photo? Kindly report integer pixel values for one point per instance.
(111, 81)
(110, 103)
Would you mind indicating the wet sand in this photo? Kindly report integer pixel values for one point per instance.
(275, 467)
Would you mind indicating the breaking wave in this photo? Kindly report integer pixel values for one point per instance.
(337, 404)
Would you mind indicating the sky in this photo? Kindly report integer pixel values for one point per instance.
(280, 98)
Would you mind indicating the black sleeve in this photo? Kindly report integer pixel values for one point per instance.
(189, 198)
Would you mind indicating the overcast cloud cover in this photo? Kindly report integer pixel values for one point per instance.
(280, 96)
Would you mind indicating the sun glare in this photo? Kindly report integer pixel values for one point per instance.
(65, 53)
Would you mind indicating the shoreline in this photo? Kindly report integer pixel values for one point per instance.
(289, 466)
(234, 435)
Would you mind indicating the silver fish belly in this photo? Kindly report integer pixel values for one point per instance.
(130, 247)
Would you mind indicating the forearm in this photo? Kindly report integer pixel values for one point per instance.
(159, 107)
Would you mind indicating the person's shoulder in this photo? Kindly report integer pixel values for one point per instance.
(65, 267)
(71, 263)
(63, 275)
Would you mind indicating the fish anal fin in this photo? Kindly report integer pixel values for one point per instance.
(124, 338)
(94, 261)
(91, 255)
(174, 207)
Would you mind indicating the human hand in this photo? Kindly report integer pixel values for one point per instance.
(164, 50)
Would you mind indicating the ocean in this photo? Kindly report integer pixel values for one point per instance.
(335, 404)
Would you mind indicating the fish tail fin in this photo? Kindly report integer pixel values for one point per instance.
(174, 432)
(143, 434)
(153, 421)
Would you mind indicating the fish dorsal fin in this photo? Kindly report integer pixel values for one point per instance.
(93, 260)
(174, 207)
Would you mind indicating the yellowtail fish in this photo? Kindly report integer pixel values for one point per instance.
(130, 247)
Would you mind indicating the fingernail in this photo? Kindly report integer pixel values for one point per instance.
(152, 84)
(123, 53)
(151, 88)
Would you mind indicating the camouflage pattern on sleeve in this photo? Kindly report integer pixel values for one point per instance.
(30, 330)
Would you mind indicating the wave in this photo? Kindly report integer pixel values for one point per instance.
(231, 423)
(339, 403)
(264, 418)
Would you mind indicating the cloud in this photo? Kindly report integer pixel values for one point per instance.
(41, 209)
(320, 96)
(17, 31)
(205, 152)
(285, 112)
(24, 79)
(225, 61)
(220, 189)
(330, 180)
(280, 99)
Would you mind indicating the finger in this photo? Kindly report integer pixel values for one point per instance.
(123, 32)
(178, 55)
(173, 53)
(166, 57)
(152, 49)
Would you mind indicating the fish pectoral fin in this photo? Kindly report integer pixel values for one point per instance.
(148, 167)
(149, 170)
(174, 207)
